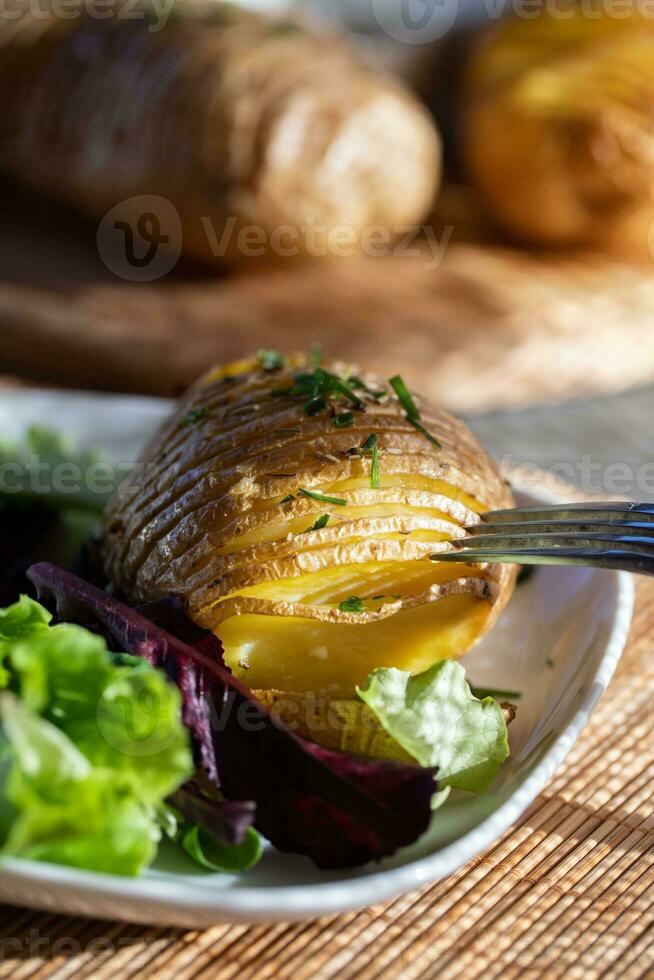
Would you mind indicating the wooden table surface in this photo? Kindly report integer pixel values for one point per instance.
(487, 327)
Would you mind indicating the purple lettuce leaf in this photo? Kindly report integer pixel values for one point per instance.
(225, 820)
(194, 682)
(338, 809)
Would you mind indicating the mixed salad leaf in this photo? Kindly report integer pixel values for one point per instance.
(95, 760)
(436, 718)
(338, 809)
(90, 748)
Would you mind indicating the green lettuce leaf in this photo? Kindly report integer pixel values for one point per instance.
(23, 619)
(206, 851)
(90, 748)
(121, 717)
(437, 720)
(64, 810)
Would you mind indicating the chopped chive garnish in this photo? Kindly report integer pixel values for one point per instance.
(287, 499)
(318, 387)
(195, 415)
(374, 469)
(403, 393)
(420, 427)
(369, 448)
(316, 354)
(376, 597)
(320, 523)
(315, 405)
(337, 384)
(497, 695)
(271, 360)
(351, 604)
(338, 501)
(343, 420)
(410, 409)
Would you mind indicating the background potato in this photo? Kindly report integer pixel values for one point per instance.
(259, 506)
(232, 117)
(558, 135)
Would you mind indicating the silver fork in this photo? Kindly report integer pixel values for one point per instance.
(605, 535)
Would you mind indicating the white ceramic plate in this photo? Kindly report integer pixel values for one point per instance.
(558, 643)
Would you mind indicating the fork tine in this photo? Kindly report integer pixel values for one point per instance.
(486, 529)
(607, 512)
(606, 535)
(558, 556)
(521, 541)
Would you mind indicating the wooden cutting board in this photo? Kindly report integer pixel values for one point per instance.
(488, 327)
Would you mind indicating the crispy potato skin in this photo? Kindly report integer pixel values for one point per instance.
(558, 135)
(205, 516)
(241, 122)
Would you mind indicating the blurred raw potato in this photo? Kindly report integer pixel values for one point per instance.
(245, 124)
(558, 134)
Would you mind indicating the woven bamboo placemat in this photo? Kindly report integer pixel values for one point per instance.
(568, 893)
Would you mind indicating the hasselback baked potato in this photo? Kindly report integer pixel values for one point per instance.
(300, 512)
(558, 133)
(238, 120)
